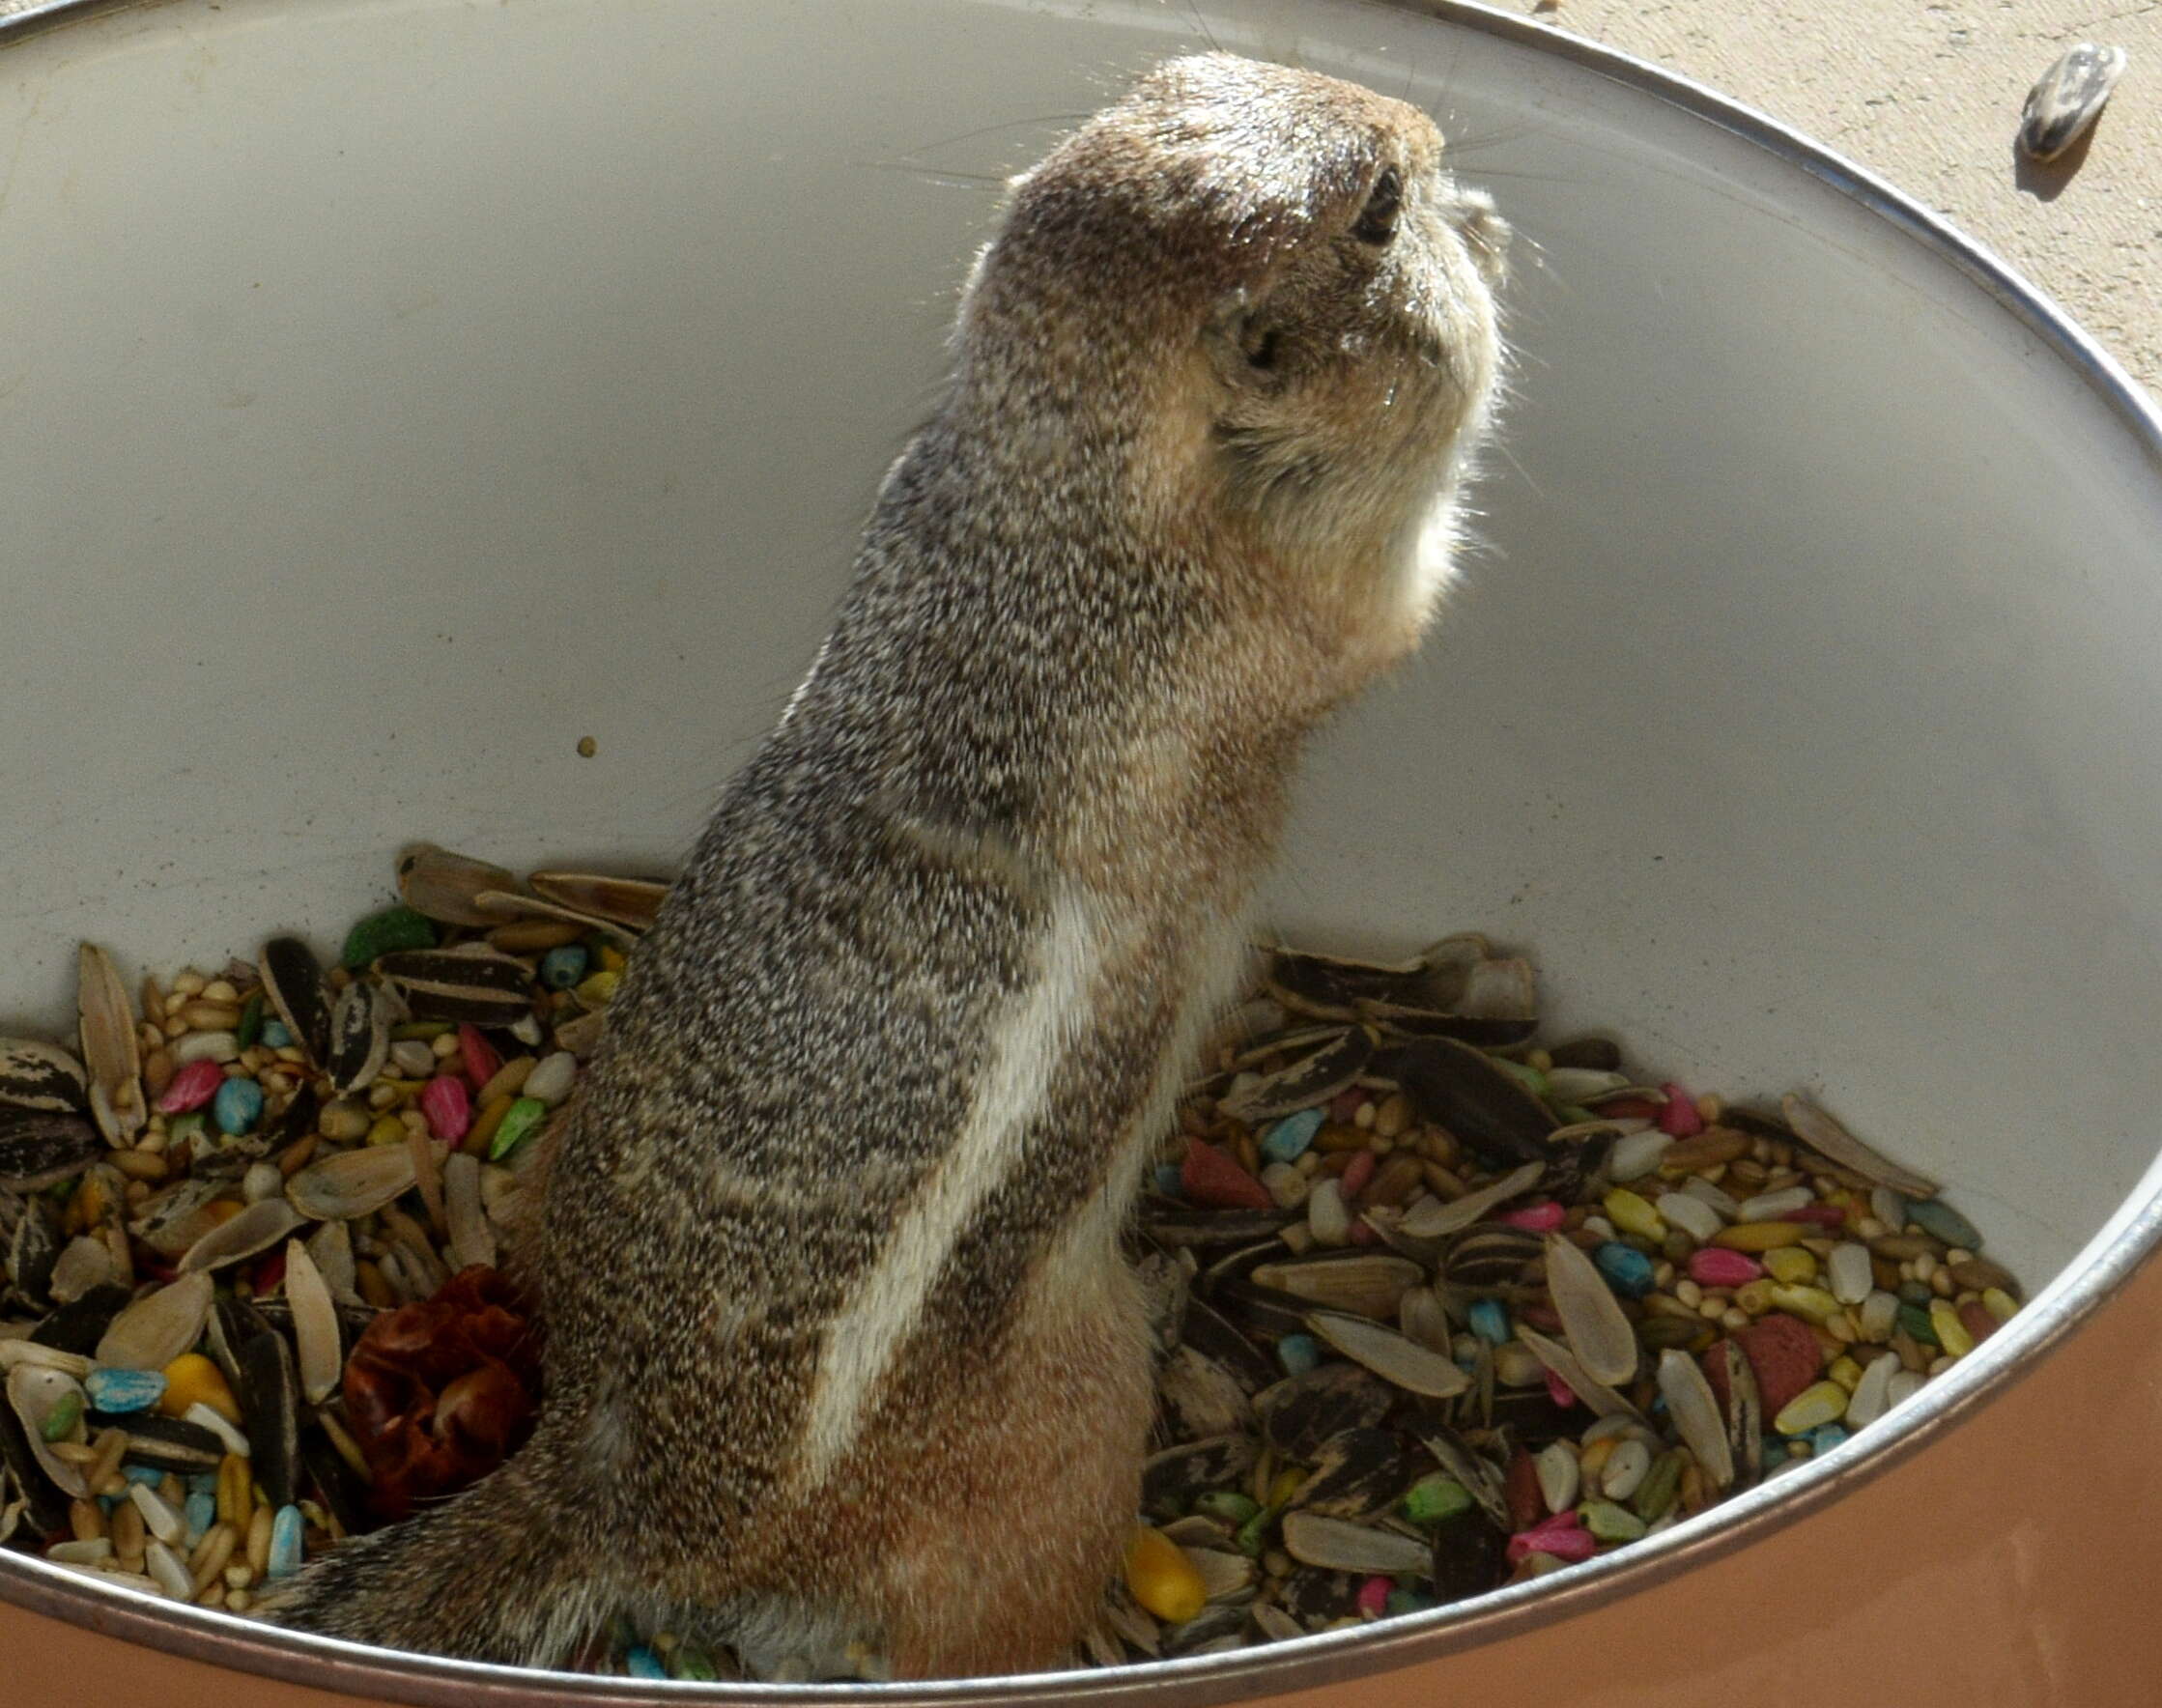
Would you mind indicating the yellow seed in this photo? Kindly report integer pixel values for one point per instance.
(388, 1129)
(368, 1281)
(1820, 1403)
(190, 1379)
(1846, 1372)
(1759, 1235)
(128, 1531)
(595, 989)
(1998, 1303)
(1755, 1296)
(1633, 1215)
(1812, 1302)
(258, 1539)
(1285, 1486)
(235, 1493)
(1951, 1332)
(1162, 1579)
(611, 958)
(1791, 1264)
(1594, 1459)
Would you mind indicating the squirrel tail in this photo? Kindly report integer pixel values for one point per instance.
(490, 1575)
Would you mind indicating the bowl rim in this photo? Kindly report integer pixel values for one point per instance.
(2100, 1270)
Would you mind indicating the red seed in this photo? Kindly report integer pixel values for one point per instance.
(1520, 1488)
(1679, 1117)
(1213, 1180)
(1373, 1597)
(448, 1107)
(192, 1087)
(481, 1059)
(1357, 1173)
(1542, 1217)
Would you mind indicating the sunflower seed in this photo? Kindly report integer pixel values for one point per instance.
(38, 1076)
(111, 1057)
(1332, 1542)
(2067, 99)
(1830, 1140)
(159, 1327)
(292, 981)
(1402, 1362)
(1600, 1334)
(445, 886)
(351, 1183)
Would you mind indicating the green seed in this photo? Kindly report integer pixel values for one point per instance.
(516, 1126)
(1432, 1498)
(63, 1417)
(251, 1029)
(384, 933)
(1915, 1320)
(689, 1661)
(1611, 1522)
(427, 1030)
(1656, 1494)
(1252, 1537)
(1227, 1504)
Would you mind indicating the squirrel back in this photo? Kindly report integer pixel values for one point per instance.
(843, 1356)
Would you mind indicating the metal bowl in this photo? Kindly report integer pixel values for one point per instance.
(399, 392)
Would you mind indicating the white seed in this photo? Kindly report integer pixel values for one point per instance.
(413, 1057)
(1850, 1272)
(1771, 1206)
(1636, 1156)
(1690, 1213)
(1697, 1186)
(1871, 1394)
(1286, 1184)
(167, 1571)
(553, 1077)
(1626, 1467)
(160, 1519)
(1559, 1475)
(1878, 1312)
(1904, 1385)
(1327, 1215)
(206, 1046)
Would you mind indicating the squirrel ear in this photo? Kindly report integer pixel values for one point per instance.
(1243, 343)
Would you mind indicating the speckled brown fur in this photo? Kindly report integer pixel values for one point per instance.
(840, 1346)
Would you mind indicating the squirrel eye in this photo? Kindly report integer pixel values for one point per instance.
(1376, 222)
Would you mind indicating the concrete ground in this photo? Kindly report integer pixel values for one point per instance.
(1927, 93)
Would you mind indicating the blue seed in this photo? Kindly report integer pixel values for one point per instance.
(1938, 1219)
(142, 1473)
(1826, 1437)
(1405, 1601)
(285, 1544)
(1298, 1353)
(1773, 1449)
(1627, 1271)
(121, 1392)
(237, 1106)
(1490, 1320)
(643, 1662)
(202, 1514)
(1168, 1181)
(277, 1035)
(564, 967)
(1288, 1139)
(204, 1482)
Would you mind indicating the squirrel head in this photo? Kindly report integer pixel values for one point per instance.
(1262, 306)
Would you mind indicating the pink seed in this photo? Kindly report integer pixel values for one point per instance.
(1364, 1233)
(193, 1086)
(479, 1055)
(1563, 1536)
(1560, 1392)
(1357, 1174)
(1714, 1265)
(1373, 1597)
(448, 1109)
(1543, 1217)
(1679, 1117)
